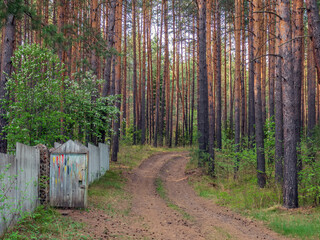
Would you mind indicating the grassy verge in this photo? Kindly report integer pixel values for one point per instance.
(245, 197)
(107, 194)
(47, 223)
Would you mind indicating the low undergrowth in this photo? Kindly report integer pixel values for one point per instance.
(47, 223)
(242, 194)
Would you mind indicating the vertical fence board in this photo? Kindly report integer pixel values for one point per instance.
(94, 163)
(28, 162)
(8, 187)
(104, 158)
(20, 183)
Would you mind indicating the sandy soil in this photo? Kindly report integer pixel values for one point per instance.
(151, 217)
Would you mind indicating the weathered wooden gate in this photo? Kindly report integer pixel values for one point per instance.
(69, 175)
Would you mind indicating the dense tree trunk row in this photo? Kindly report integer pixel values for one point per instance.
(208, 69)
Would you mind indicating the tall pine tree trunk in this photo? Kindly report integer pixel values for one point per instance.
(290, 186)
(237, 84)
(5, 73)
(278, 110)
(298, 68)
(251, 78)
(158, 110)
(124, 89)
(314, 20)
(258, 51)
(203, 81)
(311, 78)
(143, 85)
(211, 113)
(166, 75)
(272, 58)
(230, 84)
(218, 75)
(117, 84)
(134, 77)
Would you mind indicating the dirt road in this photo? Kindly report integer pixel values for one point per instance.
(195, 217)
(180, 215)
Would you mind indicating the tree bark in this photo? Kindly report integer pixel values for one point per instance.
(272, 59)
(258, 50)
(96, 29)
(218, 76)
(290, 186)
(211, 113)
(230, 84)
(225, 113)
(158, 114)
(251, 78)
(242, 80)
(237, 83)
(203, 81)
(5, 73)
(166, 74)
(124, 89)
(278, 110)
(143, 85)
(313, 15)
(298, 59)
(173, 70)
(117, 84)
(193, 81)
(134, 77)
(311, 78)
(110, 44)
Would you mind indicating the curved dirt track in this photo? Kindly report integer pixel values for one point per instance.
(204, 220)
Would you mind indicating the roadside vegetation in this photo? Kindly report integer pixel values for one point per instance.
(46, 223)
(241, 193)
(107, 194)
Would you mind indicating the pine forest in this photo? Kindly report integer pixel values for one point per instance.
(232, 85)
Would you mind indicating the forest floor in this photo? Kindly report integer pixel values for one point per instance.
(159, 203)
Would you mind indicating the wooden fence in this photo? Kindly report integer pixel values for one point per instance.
(19, 180)
(19, 184)
(98, 161)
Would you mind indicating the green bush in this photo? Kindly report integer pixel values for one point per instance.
(44, 105)
(309, 176)
(89, 114)
(34, 93)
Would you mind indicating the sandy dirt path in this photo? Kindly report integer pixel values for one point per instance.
(152, 217)
(204, 220)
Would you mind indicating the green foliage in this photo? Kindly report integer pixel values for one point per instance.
(241, 193)
(10, 207)
(128, 138)
(51, 36)
(269, 147)
(304, 224)
(47, 223)
(309, 176)
(14, 7)
(43, 106)
(19, 8)
(88, 113)
(34, 97)
(7, 204)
